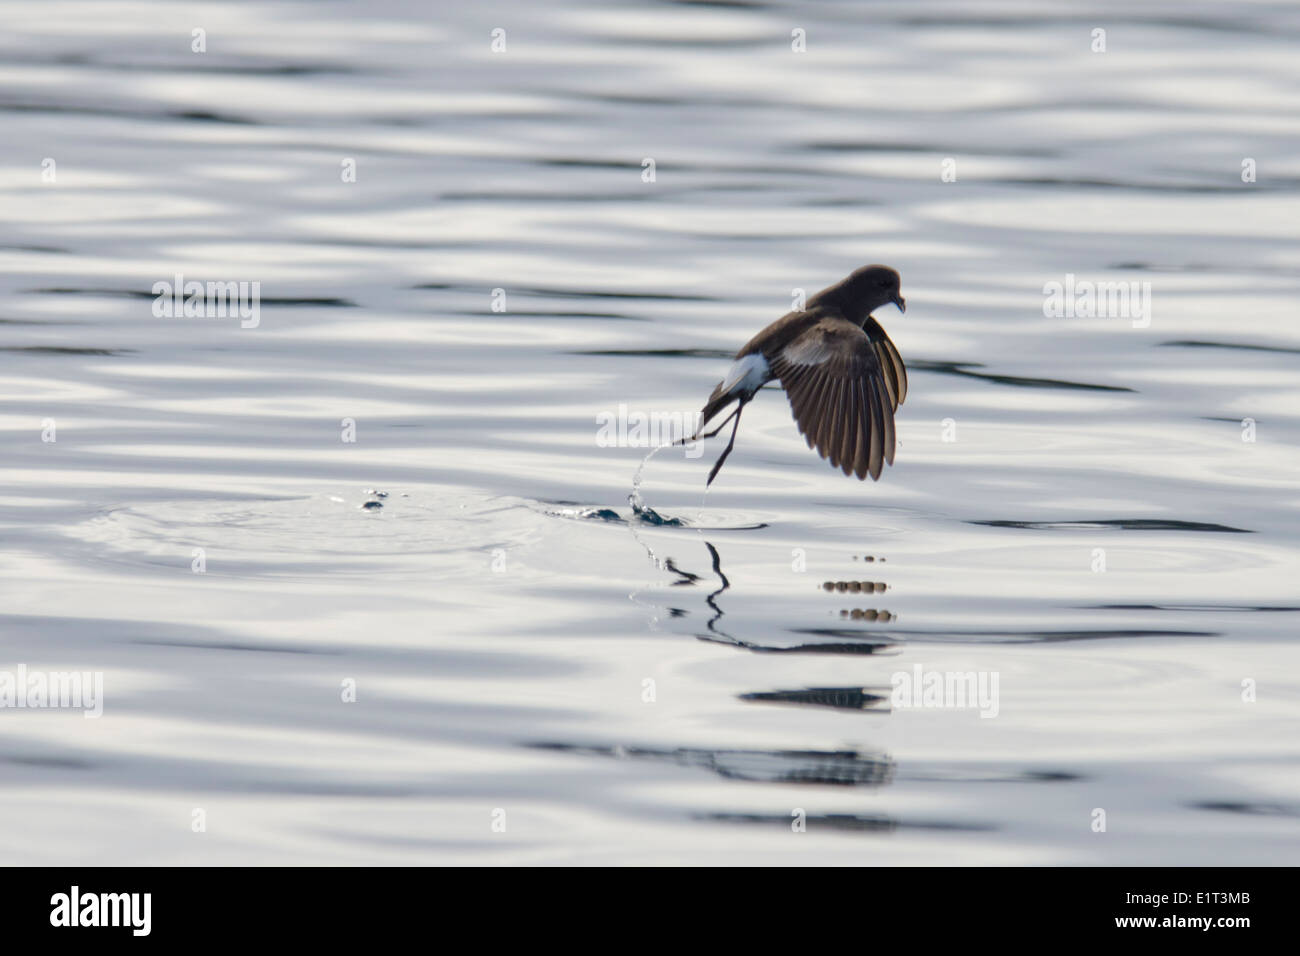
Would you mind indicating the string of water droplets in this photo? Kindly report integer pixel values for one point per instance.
(643, 513)
(639, 509)
(634, 498)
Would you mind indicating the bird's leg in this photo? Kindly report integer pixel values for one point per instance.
(723, 424)
(698, 436)
(726, 451)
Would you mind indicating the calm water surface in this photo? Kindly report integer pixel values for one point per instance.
(666, 687)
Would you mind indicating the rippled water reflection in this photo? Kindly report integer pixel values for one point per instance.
(471, 562)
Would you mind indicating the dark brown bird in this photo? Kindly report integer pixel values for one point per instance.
(843, 376)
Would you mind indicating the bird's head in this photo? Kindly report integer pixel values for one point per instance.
(866, 290)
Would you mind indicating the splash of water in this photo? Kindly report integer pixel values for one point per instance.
(634, 499)
(641, 511)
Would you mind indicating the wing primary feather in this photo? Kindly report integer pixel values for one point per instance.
(822, 410)
(840, 458)
(900, 370)
(830, 387)
(889, 374)
(861, 431)
(859, 448)
(837, 423)
(807, 417)
(876, 462)
(889, 437)
(848, 444)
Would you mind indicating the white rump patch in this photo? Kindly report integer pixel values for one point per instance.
(746, 375)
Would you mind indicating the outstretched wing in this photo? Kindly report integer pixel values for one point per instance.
(844, 384)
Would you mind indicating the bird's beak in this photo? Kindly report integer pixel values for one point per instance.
(901, 303)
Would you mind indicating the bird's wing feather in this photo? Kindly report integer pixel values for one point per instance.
(844, 384)
(890, 361)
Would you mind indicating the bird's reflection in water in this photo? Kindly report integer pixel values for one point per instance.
(874, 699)
(853, 822)
(813, 767)
(848, 636)
(724, 584)
(683, 577)
(841, 768)
(859, 643)
(846, 768)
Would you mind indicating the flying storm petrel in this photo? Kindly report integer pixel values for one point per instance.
(842, 374)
